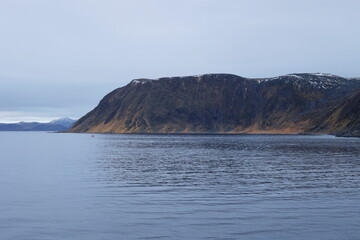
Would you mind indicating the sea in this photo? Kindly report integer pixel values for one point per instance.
(56, 186)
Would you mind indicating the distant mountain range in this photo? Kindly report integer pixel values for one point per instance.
(61, 124)
(225, 103)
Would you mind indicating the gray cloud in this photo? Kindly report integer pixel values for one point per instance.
(65, 55)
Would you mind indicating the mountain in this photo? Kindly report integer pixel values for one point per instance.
(224, 103)
(344, 118)
(61, 124)
(65, 122)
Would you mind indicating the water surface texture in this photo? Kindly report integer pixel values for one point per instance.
(75, 186)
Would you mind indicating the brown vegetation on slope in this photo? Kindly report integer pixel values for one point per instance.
(219, 103)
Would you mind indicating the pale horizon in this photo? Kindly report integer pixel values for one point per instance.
(60, 58)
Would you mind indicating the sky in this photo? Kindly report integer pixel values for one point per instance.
(59, 58)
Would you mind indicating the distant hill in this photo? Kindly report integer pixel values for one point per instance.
(225, 103)
(61, 124)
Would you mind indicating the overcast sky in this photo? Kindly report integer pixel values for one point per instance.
(59, 58)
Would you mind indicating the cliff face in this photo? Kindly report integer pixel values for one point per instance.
(344, 118)
(220, 103)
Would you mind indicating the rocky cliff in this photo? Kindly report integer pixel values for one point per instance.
(343, 119)
(225, 103)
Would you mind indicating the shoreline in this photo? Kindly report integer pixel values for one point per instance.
(221, 133)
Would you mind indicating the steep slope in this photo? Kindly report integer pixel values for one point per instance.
(344, 118)
(181, 104)
(297, 102)
(218, 103)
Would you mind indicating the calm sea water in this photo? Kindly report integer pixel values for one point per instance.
(74, 186)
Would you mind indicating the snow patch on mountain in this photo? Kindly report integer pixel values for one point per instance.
(140, 81)
(314, 80)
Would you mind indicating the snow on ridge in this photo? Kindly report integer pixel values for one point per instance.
(324, 74)
(307, 75)
(315, 80)
(203, 75)
(141, 81)
(197, 76)
(319, 80)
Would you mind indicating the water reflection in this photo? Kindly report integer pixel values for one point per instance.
(73, 186)
(256, 186)
(263, 164)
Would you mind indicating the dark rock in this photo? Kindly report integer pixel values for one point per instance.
(223, 103)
